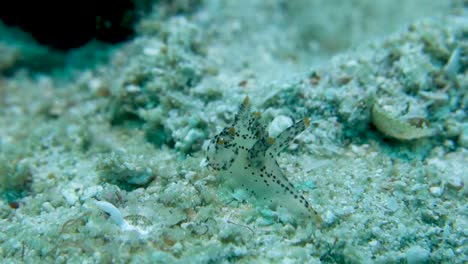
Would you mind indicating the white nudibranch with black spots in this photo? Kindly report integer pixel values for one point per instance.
(245, 157)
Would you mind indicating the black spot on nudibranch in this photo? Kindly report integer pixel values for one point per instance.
(243, 153)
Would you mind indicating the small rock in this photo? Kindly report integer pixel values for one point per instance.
(329, 217)
(279, 124)
(70, 196)
(436, 191)
(463, 137)
(417, 255)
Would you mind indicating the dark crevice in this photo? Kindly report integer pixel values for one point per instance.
(64, 25)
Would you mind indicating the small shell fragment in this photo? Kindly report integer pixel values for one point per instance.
(397, 128)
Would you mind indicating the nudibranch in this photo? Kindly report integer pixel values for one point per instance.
(245, 157)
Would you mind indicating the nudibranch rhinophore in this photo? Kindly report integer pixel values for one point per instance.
(245, 157)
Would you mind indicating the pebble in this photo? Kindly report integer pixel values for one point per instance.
(436, 191)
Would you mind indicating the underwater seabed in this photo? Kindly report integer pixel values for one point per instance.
(241, 132)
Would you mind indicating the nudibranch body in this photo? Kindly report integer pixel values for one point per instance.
(245, 157)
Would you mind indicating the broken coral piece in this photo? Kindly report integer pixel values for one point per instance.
(396, 127)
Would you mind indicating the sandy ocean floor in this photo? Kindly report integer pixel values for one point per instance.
(113, 157)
